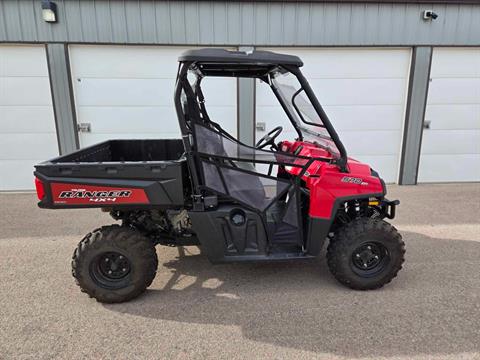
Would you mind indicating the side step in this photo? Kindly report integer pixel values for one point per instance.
(269, 257)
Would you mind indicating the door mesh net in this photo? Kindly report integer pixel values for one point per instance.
(242, 173)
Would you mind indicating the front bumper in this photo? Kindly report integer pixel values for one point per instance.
(387, 208)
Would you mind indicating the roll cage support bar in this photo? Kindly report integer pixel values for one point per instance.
(187, 136)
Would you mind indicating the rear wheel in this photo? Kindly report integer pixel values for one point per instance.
(366, 254)
(114, 264)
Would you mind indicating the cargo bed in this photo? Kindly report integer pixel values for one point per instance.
(115, 173)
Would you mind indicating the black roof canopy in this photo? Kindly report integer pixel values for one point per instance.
(222, 56)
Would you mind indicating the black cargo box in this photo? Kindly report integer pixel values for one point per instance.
(156, 166)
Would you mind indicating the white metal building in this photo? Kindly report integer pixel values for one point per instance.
(404, 94)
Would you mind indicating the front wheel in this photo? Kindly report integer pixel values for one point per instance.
(366, 254)
(114, 264)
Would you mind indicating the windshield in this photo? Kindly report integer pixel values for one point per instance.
(302, 112)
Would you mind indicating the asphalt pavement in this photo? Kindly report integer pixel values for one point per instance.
(287, 310)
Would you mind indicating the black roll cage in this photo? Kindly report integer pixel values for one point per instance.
(198, 113)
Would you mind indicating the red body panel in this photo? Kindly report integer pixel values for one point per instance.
(327, 183)
(80, 194)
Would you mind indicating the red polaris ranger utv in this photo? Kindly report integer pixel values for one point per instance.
(275, 201)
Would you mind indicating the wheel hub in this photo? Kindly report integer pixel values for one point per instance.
(113, 266)
(369, 257)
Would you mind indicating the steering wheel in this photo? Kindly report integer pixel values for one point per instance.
(269, 139)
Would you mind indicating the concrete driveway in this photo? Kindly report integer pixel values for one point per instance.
(246, 311)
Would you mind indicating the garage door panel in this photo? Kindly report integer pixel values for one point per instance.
(122, 62)
(366, 117)
(363, 92)
(343, 117)
(451, 142)
(213, 97)
(368, 142)
(27, 123)
(25, 91)
(455, 63)
(226, 116)
(158, 119)
(274, 116)
(346, 92)
(385, 164)
(26, 146)
(449, 168)
(96, 138)
(125, 92)
(23, 61)
(145, 92)
(264, 95)
(121, 118)
(27, 119)
(338, 63)
(17, 174)
(454, 91)
(129, 90)
(451, 145)
(453, 116)
(359, 91)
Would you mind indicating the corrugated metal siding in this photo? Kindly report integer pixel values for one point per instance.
(241, 23)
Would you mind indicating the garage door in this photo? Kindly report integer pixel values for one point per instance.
(451, 143)
(27, 124)
(363, 92)
(127, 92)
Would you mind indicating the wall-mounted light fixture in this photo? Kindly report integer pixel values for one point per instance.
(49, 11)
(429, 15)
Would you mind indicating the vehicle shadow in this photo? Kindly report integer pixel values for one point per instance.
(430, 308)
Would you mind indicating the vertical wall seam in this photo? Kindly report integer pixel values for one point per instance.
(127, 37)
(82, 37)
(95, 18)
(170, 35)
(310, 12)
(112, 36)
(36, 23)
(212, 25)
(20, 22)
(140, 25)
(155, 37)
(4, 22)
(184, 24)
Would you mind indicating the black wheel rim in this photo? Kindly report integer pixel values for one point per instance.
(369, 259)
(111, 270)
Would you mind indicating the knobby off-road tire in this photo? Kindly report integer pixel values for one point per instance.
(365, 254)
(114, 264)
